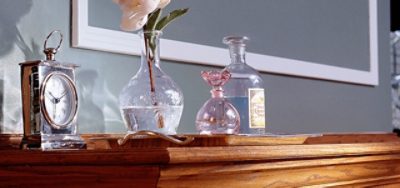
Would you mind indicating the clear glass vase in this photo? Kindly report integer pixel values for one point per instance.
(151, 100)
(245, 89)
(217, 115)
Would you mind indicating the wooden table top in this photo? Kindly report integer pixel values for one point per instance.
(103, 149)
(318, 160)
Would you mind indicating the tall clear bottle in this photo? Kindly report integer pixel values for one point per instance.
(245, 89)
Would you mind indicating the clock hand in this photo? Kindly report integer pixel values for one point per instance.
(51, 94)
(58, 99)
(63, 94)
(52, 98)
(54, 110)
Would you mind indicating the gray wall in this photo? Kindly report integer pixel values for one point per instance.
(308, 30)
(294, 105)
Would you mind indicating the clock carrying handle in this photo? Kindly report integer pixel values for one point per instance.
(51, 52)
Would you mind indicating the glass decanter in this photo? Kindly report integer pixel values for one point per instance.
(245, 88)
(217, 115)
(151, 100)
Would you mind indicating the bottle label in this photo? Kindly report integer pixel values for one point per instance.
(256, 108)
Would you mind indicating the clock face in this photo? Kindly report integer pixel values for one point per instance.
(58, 100)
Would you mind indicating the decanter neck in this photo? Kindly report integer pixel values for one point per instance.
(237, 53)
(217, 92)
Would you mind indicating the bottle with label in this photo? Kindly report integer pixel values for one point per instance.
(245, 89)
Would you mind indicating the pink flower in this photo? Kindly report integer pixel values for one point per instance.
(134, 12)
(163, 3)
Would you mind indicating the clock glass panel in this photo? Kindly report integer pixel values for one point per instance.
(59, 99)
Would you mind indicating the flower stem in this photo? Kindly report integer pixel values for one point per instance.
(150, 59)
(149, 45)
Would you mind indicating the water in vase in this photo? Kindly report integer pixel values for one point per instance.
(155, 118)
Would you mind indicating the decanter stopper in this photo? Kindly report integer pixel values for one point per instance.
(217, 115)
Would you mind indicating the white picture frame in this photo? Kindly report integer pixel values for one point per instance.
(95, 38)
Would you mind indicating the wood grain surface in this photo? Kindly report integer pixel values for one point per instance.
(328, 160)
(285, 177)
(256, 153)
(84, 157)
(79, 176)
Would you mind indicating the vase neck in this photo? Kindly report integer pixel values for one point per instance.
(150, 47)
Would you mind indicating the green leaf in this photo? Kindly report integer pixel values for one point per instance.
(170, 17)
(153, 18)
